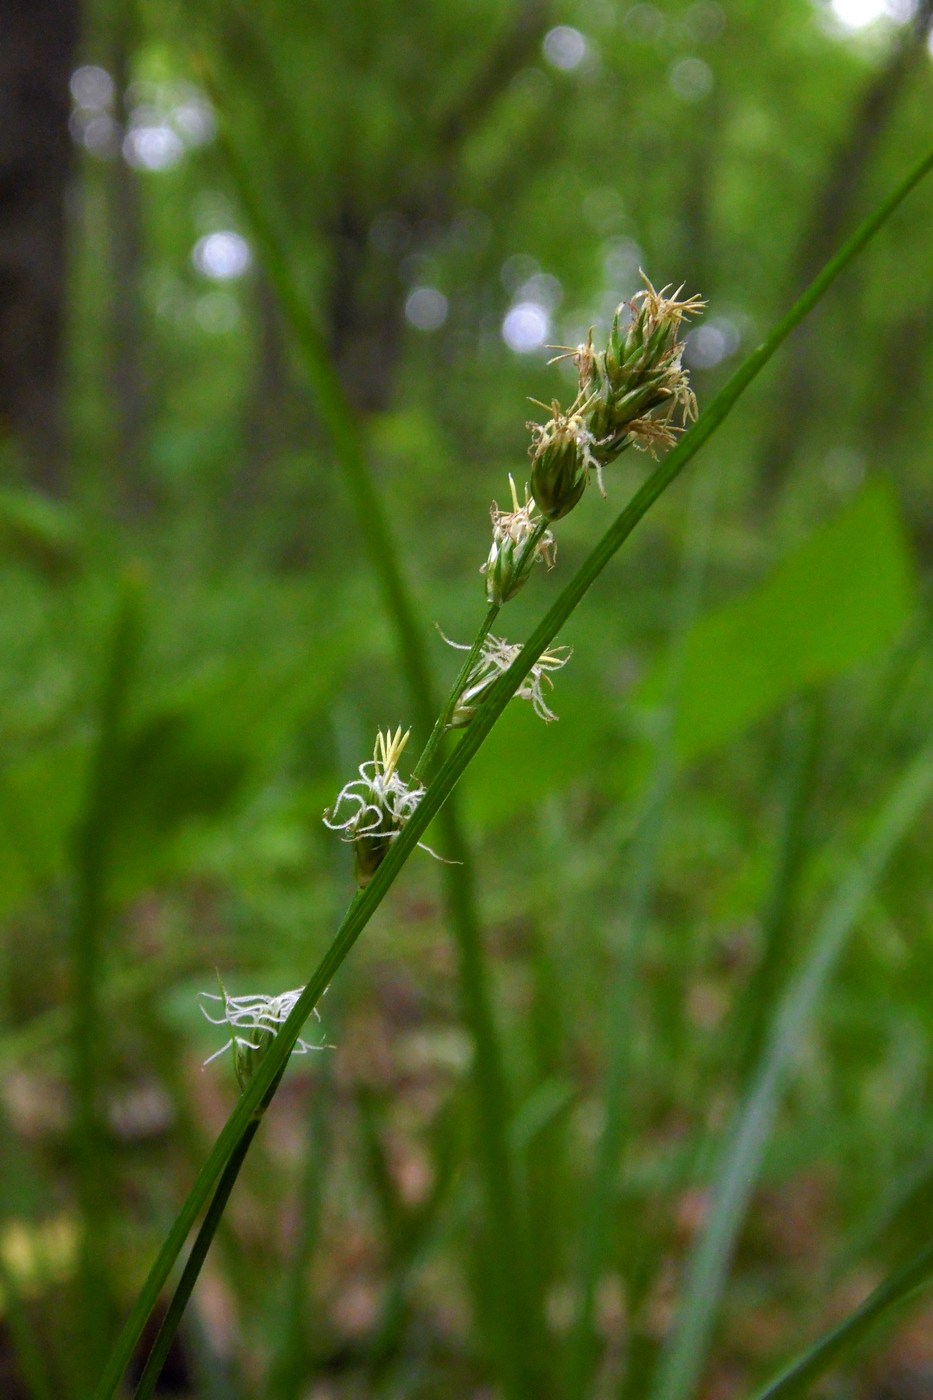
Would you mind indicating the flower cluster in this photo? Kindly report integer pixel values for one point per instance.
(635, 393)
(519, 538)
(371, 810)
(254, 1022)
(496, 657)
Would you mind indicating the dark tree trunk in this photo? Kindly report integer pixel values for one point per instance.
(38, 45)
(128, 338)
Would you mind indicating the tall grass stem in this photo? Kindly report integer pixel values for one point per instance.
(883, 1305)
(173, 1315)
(798, 762)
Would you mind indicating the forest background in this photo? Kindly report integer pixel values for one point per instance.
(197, 650)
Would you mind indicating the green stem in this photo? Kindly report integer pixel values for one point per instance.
(797, 767)
(895, 1293)
(160, 1347)
(336, 417)
(510, 1283)
(422, 768)
(364, 906)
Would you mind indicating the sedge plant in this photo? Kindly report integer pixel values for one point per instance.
(632, 392)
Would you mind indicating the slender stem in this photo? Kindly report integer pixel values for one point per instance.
(160, 1347)
(895, 1293)
(797, 768)
(363, 907)
(337, 418)
(509, 1282)
(422, 768)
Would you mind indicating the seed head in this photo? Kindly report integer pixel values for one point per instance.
(561, 457)
(639, 377)
(633, 393)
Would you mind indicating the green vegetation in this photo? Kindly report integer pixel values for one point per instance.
(630, 1095)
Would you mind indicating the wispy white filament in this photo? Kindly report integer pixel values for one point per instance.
(496, 657)
(260, 1015)
(379, 801)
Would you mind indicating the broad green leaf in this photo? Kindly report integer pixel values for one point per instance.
(835, 603)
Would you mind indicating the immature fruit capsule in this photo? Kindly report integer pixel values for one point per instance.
(559, 461)
(518, 540)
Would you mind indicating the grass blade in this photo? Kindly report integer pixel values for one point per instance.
(166, 1333)
(683, 1360)
(880, 1306)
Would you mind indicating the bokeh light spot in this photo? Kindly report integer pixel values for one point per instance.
(708, 344)
(194, 120)
(517, 269)
(542, 289)
(856, 14)
(564, 47)
(92, 87)
(526, 327)
(152, 147)
(622, 259)
(221, 256)
(97, 132)
(426, 309)
(645, 23)
(690, 79)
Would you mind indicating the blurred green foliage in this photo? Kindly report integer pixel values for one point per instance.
(443, 149)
